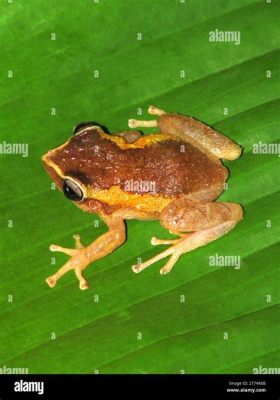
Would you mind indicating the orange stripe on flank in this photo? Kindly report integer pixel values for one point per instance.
(116, 196)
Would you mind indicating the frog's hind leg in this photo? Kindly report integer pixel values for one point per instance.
(207, 222)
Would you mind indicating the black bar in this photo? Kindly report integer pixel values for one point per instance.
(87, 386)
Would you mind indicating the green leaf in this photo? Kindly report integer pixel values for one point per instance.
(229, 321)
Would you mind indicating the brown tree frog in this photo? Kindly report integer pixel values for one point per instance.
(173, 176)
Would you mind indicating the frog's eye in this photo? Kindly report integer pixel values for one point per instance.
(72, 191)
(90, 124)
(83, 125)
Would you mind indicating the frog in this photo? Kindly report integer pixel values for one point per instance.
(174, 176)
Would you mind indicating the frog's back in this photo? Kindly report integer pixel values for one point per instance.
(170, 166)
(178, 168)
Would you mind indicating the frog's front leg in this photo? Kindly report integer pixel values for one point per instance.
(82, 256)
(207, 221)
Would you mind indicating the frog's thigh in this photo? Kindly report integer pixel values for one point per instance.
(208, 221)
(185, 215)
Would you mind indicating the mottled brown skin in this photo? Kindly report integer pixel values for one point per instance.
(183, 162)
(177, 168)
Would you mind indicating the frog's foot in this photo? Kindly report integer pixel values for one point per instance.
(179, 247)
(135, 123)
(78, 258)
(173, 251)
(191, 241)
(82, 256)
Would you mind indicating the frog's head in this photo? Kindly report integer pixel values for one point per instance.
(69, 165)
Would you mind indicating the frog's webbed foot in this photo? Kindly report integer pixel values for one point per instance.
(135, 123)
(77, 259)
(219, 219)
(174, 251)
(82, 256)
(186, 243)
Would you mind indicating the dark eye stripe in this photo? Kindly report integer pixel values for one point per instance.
(72, 191)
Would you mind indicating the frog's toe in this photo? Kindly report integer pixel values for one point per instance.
(83, 283)
(135, 123)
(78, 243)
(139, 267)
(84, 286)
(155, 241)
(65, 250)
(136, 268)
(170, 263)
(51, 281)
(153, 110)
